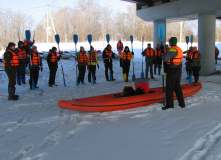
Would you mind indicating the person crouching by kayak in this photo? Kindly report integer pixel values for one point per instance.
(125, 58)
(108, 55)
(82, 63)
(11, 63)
(35, 64)
(92, 61)
(52, 60)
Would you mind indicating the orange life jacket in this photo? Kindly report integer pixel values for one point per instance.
(35, 59)
(216, 52)
(189, 54)
(21, 53)
(149, 52)
(177, 60)
(92, 58)
(195, 55)
(14, 61)
(54, 57)
(157, 53)
(119, 44)
(108, 53)
(82, 58)
(126, 56)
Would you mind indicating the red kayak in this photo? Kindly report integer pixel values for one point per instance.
(116, 101)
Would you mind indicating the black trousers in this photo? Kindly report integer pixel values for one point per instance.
(34, 73)
(53, 71)
(108, 65)
(157, 64)
(126, 68)
(82, 70)
(149, 65)
(92, 72)
(11, 73)
(196, 72)
(173, 84)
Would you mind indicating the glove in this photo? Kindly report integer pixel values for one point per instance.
(41, 68)
(98, 66)
(165, 74)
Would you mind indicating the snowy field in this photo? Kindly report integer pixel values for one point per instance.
(36, 128)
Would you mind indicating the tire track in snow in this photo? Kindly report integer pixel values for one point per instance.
(24, 151)
(203, 145)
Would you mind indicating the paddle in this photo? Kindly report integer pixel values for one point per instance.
(28, 37)
(131, 40)
(191, 40)
(142, 73)
(189, 74)
(57, 38)
(161, 33)
(75, 38)
(108, 40)
(18, 35)
(89, 38)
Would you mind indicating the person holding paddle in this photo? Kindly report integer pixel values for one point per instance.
(92, 61)
(107, 57)
(125, 58)
(174, 70)
(82, 63)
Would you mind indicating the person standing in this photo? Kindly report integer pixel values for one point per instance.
(92, 61)
(20, 51)
(125, 58)
(11, 63)
(195, 64)
(149, 54)
(174, 69)
(120, 46)
(52, 60)
(82, 63)
(35, 64)
(157, 60)
(216, 54)
(108, 55)
(189, 56)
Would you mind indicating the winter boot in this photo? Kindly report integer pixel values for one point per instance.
(196, 79)
(11, 95)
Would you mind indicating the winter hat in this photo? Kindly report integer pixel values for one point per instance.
(126, 47)
(11, 44)
(20, 43)
(33, 47)
(119, 39)
(173, 41)
(54, 48)
(92, 48)
(148, 44)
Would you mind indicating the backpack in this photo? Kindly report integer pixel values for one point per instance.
(128, 91)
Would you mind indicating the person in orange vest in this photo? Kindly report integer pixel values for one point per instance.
(174, 70)
(82, 60)
(189, 55)
(108, 55)
(149, 54)
(20, 51)
(11, 63)
(216, 54)
(120, 46)
(92, 61)
(35, 64)
(157, 60)
(125, 58)
(52, 60)
(195, 64)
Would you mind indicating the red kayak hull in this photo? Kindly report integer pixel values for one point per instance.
(110, 102)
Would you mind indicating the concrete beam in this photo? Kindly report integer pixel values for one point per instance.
(180, 10)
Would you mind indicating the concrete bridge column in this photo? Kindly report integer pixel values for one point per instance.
(206, 42)
(156, 39)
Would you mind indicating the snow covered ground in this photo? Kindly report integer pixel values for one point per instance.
(36, 128)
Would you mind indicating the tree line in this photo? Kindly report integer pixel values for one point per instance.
(88, 17)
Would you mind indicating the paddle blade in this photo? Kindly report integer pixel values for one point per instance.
(28, 35)
(89, 38)
(131, 38)
(187, 39)
(142, 75)
(57, 38)
(161, 31)
(191, 39)
(75, 38)
(108, 38)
